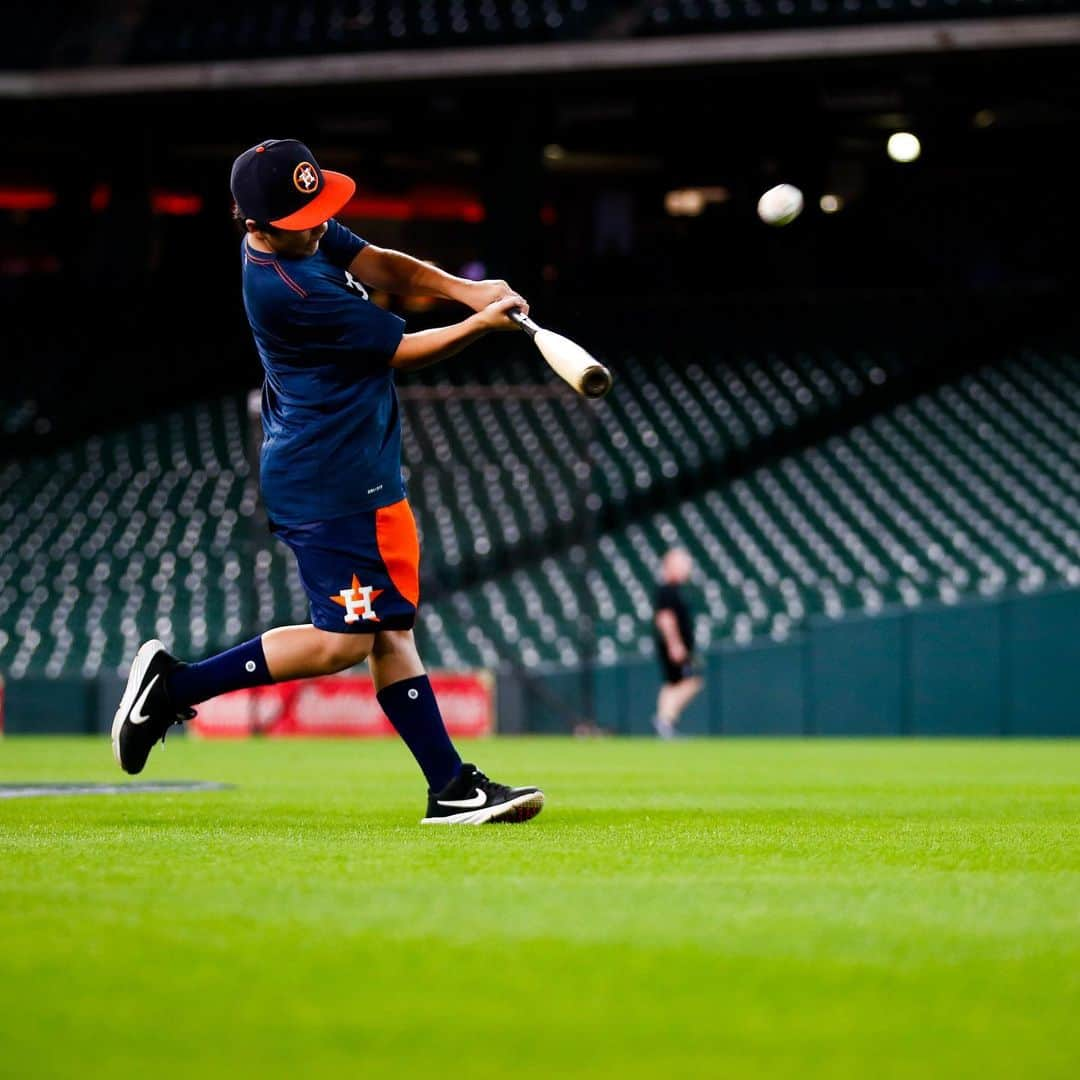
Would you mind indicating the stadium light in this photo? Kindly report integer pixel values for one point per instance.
(690, 202)
(830, 204)
(684, 202)
(903, 146)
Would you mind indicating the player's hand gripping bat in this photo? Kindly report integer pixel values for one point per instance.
(567, 359)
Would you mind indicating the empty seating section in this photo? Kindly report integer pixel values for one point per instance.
(126, 537)
(296, 27)
(695, 16)
(966, 490)
(63, 35)
(494, 479)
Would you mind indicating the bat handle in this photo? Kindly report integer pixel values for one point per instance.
(524, 322)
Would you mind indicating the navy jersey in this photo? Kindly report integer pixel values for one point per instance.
(331, 427)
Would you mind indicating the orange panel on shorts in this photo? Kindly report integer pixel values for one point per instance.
(399, 546)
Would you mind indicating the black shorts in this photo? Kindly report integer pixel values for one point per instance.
(673, 673)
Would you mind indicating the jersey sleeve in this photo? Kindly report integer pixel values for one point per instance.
(665, 599)
(339, 327)
(340, 245)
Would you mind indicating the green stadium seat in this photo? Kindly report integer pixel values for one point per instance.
(967, 490)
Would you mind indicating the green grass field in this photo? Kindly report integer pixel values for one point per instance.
(702, 908)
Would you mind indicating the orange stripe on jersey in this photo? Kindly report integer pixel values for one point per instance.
(399, 546)
(289, 281)
(280, 273)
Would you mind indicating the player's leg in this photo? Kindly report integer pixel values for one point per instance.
(458, 793)
(300, 652)
(678, 688)
(680, 695)
(286, 652)
(404, 692)
(666, 713)
(662, 718)
(161, 690)
(394, 658)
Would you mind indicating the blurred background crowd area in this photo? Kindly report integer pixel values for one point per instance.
(875, 407)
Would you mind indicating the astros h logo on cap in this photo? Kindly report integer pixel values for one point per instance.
(305, 178)
(279, 182)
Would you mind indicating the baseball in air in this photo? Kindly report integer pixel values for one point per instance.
(780, 205)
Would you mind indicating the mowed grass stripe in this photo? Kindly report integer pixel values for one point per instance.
(818, 908)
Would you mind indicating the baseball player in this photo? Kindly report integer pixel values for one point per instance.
(331, 473)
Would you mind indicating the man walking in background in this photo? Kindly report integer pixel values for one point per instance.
(674, 643)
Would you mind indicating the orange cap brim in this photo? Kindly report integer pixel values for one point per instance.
(337, 190)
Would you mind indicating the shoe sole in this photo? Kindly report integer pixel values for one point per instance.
(147, 651)
(523, 808)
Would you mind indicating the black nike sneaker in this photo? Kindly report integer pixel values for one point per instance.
(146, 711)
(472, 799)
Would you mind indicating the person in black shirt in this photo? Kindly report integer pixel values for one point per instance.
(674, 644)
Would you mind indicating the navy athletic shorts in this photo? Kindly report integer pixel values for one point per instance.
(361, 572)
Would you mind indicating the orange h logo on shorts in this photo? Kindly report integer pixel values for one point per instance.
(358, 602)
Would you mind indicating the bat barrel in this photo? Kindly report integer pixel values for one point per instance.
(596, 381)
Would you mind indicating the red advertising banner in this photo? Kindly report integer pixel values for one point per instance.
(340, 705)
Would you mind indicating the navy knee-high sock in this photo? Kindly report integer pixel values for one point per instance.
(411, 707)
(236, 669)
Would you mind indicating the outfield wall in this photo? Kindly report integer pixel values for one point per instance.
(1003, 667)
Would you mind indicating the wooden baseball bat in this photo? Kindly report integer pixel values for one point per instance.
(567, 359)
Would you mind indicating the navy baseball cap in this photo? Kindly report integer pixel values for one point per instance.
(280, 182)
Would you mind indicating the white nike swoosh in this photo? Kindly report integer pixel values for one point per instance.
(137, 716)
(477, 800)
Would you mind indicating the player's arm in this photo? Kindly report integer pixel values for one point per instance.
(402, 275)
(429, 346)
(668, 627)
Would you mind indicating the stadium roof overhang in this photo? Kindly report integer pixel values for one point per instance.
(947, 36)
